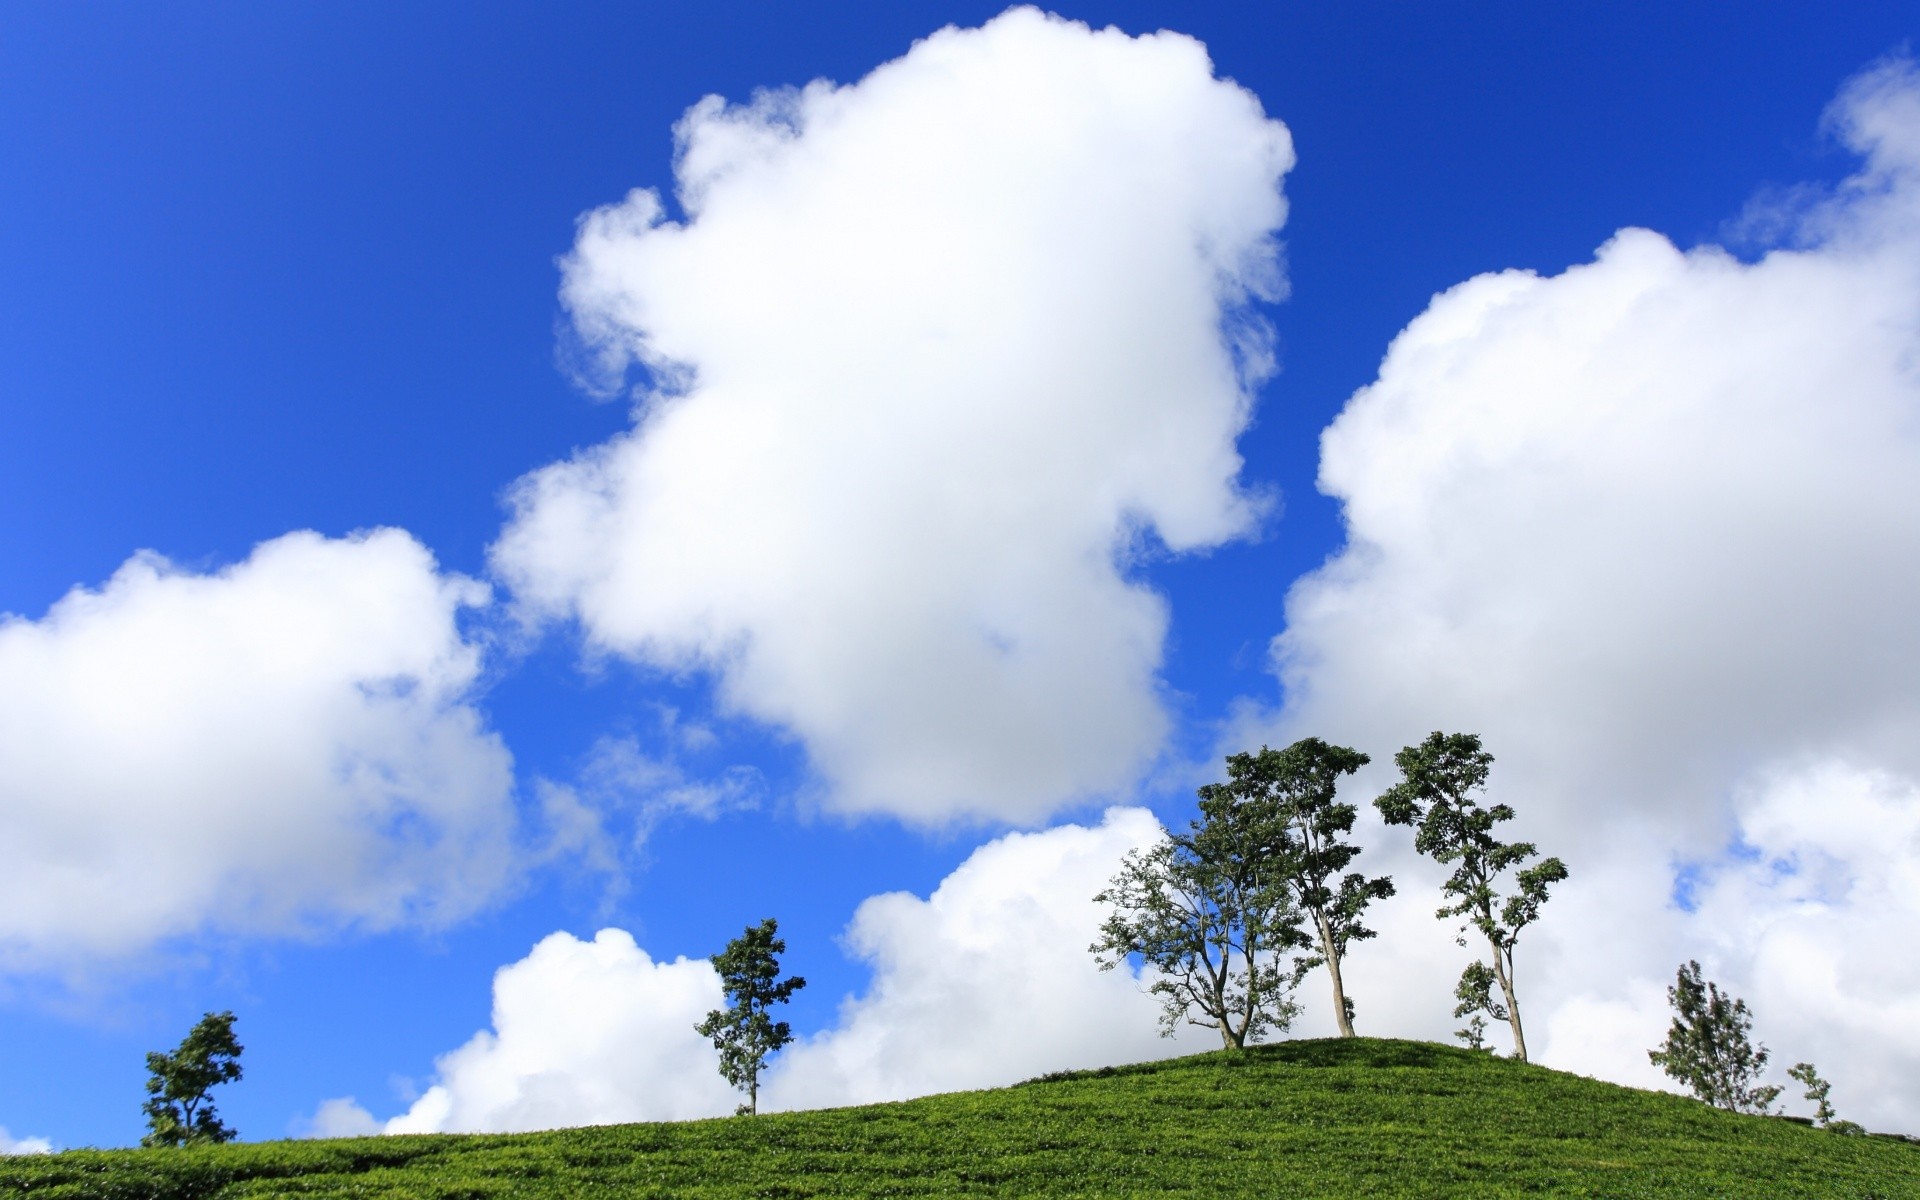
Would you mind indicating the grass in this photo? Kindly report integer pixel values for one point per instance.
(1362, 1117)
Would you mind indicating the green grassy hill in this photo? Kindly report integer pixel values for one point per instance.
(1310, 1118)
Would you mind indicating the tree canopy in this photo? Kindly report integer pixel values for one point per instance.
(1211, 914)
(179, 1107)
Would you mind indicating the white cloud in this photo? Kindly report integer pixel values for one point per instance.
(602, 819)
(1650, 527)
(338, 1118)
(942, 350)
(25, 1145)
(623, 793)
(1814, 918)
(584, 1033)
(985, 982)
(281, 746)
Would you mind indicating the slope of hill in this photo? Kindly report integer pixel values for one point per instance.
(1364, 1117)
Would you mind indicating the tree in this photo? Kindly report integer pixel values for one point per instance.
(1210, 912)
(1296, 788)
(1435, 793)
(1818, 1091)
(1708, 1047)
(1475, 995)
(179, 1110)
(745, 1033)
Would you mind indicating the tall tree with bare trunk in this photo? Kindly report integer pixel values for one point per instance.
(1438, 779)
(1294, 792)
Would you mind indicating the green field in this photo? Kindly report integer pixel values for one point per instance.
(1363, 1117)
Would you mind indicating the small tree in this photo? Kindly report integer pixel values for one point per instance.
(1708, 1047)
(1435, 793)
(1475, 995)
(1211, 913)
(1474, 1034)
(1818, 1091)
(745, 1033)
(179, 1109)
(1296, 787)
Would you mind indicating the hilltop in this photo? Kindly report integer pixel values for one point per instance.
(1330, 1118)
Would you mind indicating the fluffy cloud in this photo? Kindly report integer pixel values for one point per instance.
(280, 746)
(26, 1145)
(985, 982)
(1810, 916)
(1649, 526)
(936, 355)
(584, 1033)
(338, 1118)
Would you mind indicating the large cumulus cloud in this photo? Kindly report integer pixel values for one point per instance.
(934, 356)
(1651, 527)
(285, 745)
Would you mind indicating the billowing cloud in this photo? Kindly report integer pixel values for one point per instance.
(1650, 527)
(282, 746)
(985, 982)
(935, 355)
(584, 1033)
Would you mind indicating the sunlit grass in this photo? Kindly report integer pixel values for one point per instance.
(1300, 1119)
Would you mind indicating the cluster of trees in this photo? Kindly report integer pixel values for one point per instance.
(1235, 912)
(1232, 915)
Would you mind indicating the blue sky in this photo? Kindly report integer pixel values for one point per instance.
(299, 268)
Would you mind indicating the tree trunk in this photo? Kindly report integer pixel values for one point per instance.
(1333, 972)
(1230, 1038)
(1503, 967)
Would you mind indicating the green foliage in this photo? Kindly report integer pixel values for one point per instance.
(1211, 913)
(745, 1032)
(1309, 1120)
(1474, 993)
(1293, 793)
(179, 1108)
(1474, 1034)
(1436, 795)
(1709, 1048)
(1818, 1091)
